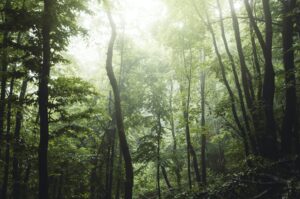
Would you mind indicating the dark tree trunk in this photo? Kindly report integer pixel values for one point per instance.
(4, 65)
(203, 134)
(7, 149)
(289, 127)
(43, 102)
(16, 146)
(119, 176)
(112, 156)
(267, 139)
(119, 117)
(165, 175)
(111, 150)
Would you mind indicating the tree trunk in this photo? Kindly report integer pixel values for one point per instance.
(43, 95)
(177, 169)
(165, 175)
(16, 146)
(7, 149)
(289, 127)
(4, 66)
(203, 134)
(267, 139)
(186, 107)
(158, 158)
(119, 117)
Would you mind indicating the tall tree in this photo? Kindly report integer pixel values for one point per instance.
(43, 95)
(289, 132)
(203, 133)
(119, 117)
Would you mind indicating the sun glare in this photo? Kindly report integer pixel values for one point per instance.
(135, 18)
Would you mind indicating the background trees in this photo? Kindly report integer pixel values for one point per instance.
(204, 99)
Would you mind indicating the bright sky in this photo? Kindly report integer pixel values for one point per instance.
(136, 16)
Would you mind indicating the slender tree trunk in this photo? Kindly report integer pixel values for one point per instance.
(256, 63)
(119, 117)
(158, 158)
(43, 102)
(203, 134)
(7, 150)
(16, 145)
(190, 149)
(177, 169)
(245, 84)
(289, 127)
(107, 162)
(165, 175)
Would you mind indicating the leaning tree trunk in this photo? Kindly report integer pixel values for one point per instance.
(43, 95)
(119, 117)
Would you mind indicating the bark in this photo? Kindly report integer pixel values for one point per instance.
(203, 134)
(43, 95)
(289, 127)
(16, 145)
(119, 117)
(7, 149)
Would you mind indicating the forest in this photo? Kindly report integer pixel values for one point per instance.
(160, 99)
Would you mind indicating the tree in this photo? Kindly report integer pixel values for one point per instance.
(119, 119)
